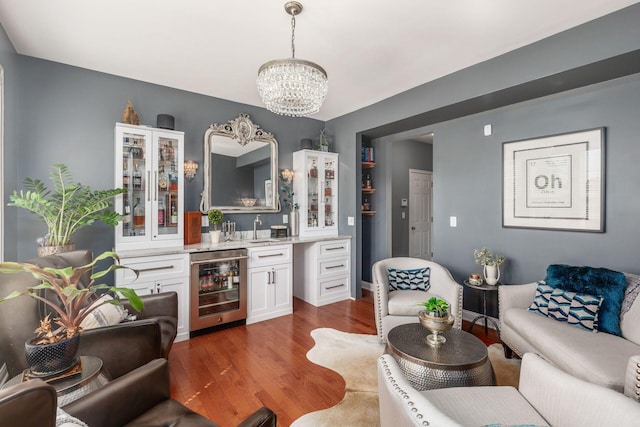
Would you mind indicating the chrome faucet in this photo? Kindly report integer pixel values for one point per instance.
(256, 222)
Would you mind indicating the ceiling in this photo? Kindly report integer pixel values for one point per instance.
(371, 49)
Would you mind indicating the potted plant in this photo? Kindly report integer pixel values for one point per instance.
(490, 264)
(436, 318)
(69, 208)
(215, 217)
(53, 350)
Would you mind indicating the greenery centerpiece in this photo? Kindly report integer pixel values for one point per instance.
(73, 305)
(66, 209)
(436, 318)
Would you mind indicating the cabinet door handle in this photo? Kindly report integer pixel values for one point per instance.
(335, 248)
(155, 186)
(273, 276)
(270, 255)
(335, 286)
(164, 267)
(268, 277)
(330, 267)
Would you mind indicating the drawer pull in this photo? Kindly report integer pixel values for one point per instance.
(330, 267)
(165, 267)
(335, 286)
(335, 248)
(270, 255)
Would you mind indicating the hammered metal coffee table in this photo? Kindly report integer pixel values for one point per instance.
(461, 361)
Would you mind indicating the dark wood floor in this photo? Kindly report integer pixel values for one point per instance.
(226, 375)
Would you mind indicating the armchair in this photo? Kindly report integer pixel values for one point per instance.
(122, 347)
(546, 396)
(138, 398)
(399, 307)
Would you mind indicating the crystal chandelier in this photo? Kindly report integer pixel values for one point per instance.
(292, 87)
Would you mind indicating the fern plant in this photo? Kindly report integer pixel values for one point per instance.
(69, 207)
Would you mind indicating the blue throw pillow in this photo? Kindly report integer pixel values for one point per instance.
(540, 302)
(416, 279)
(601, 282)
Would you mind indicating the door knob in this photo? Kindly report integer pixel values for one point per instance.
(413, 228)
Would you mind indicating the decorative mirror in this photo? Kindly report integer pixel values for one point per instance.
(240, 168)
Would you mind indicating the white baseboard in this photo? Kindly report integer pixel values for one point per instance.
(366, 285)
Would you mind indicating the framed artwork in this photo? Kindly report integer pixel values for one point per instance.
(555, 182)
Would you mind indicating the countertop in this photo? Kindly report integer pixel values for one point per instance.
(231, 244)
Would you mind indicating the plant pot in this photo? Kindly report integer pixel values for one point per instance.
(215, 236)
(52, 250)
(437, 325)
(47, 360)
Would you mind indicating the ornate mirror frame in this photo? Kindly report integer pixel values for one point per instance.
(243, 131)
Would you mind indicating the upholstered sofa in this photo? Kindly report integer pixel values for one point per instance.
(546, 396)
(601, 358)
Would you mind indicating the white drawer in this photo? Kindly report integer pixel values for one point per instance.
(154, 267)
(334, 286)
(269, 255)
(333, 248)
(331, 267)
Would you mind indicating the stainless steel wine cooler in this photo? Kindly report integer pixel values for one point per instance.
(218, 288)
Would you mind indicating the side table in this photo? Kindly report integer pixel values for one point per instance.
(484, 288)
(71, 388)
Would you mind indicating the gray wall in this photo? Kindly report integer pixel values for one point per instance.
(67, 115)
(458, 145)
(9, 62)
(406, 155)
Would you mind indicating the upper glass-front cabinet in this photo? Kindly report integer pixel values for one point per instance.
(316, 191)
(149, 166)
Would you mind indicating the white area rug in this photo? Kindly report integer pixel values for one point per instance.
(354, 357)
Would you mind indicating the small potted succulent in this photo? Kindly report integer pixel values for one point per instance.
(436, 318)
(215, 217)
(53, 350)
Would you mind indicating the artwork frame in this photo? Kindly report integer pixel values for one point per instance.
(555, 182)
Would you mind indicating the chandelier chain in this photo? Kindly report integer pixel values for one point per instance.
(293, 34)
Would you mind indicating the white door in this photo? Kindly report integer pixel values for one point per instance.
(420, 213)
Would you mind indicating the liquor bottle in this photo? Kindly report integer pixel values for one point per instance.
(174, 213)
(230, 280)
(161, 212)
(137, 177)
(313, 172)
(173, 178)
(162, 180)
(138, 214)
(367, 182)
(126, 213)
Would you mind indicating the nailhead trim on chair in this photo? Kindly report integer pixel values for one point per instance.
(403, 394)
(379, 314)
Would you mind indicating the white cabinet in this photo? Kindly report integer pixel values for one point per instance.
(160, 273)
(269, 284)
(323, 271)
(149, 166)
(315, 185)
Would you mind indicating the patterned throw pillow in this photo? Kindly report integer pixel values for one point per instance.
(416, 279)
(540, 302)
(105, 315)
(580, 310)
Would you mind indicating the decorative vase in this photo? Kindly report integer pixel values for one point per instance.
(47, 360)
(437, 325)
(294, 223)
(491, 274)
(52, 250)
(215, 236)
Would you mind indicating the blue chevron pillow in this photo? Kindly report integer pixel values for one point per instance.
(416, 279)
(540, 302)
(580, 310)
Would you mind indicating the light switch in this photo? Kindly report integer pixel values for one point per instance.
(351, 220)
(205, 221)
(488, 130)
(404, 215)
(453, 221)
(285, 219)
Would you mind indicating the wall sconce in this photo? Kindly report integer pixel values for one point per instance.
(287, 175)
(190, 169)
